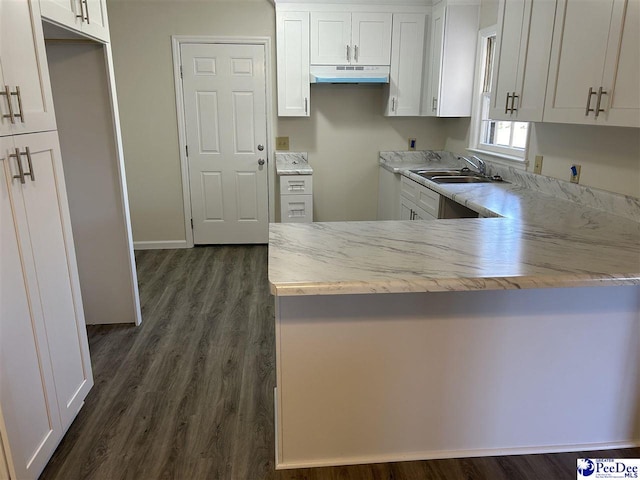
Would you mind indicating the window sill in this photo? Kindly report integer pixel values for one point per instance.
(501, 158)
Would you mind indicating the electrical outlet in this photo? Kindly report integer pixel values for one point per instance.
(282, 143)
(412, 144)
(537, 166)
(575, 174)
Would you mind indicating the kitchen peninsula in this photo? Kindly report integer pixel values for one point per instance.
(406, 340)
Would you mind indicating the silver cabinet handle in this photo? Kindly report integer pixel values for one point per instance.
(434, 104)
(506, 104)
(86, 9)
(393, 104)
(7, 93)
(589, 109)
(355, 53)
(348, 53)
(81, 16)
(513, 100)
(600, 93)
(306, 105)
(20, 170)
(21, 114)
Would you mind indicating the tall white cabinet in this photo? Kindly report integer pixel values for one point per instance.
(45, 369)
(86, 16)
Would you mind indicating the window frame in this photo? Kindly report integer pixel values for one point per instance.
(511, 155)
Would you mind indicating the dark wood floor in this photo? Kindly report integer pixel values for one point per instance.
(189, 394)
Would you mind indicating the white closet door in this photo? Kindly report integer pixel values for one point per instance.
(27, 394)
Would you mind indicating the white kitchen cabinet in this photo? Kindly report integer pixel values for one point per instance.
(88, 17)
(26, 104)
(345, 38)
(404, 92)
(45, 365)
(523, 47)
(451, 60)
(594, 70)
(296, 198)
(292, 39)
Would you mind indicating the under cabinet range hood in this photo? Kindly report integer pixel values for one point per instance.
(349, 74)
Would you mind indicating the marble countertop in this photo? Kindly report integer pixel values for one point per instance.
(292, 163)
(535, 240)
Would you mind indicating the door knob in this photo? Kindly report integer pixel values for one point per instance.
(261, 147)
(261, 161)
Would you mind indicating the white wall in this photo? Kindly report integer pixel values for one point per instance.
(609, 156)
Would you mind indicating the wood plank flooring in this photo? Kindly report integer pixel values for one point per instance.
(189, 394)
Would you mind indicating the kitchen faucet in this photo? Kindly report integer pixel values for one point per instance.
(481, 166)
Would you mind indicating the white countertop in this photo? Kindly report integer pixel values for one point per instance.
(292, 163)
(540, 241)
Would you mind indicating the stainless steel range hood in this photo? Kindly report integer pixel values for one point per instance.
(349, 74)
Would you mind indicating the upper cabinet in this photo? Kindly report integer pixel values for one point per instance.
(522, 55)
(405, 82)
(88, 17)
(26, 103)
(452, 52)
(345, 38)
(594, 71)
(292, 34)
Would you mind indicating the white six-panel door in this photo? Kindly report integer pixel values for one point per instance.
(225, 117)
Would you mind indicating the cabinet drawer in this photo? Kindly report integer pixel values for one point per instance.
(296, 184)
(296, 208)
(409, 189)
(428, 200)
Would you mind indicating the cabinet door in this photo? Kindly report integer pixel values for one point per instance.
(405, 89)
(511, 18)
(24, 67)
(57, 286)
(578, 54)
(622, 70)
(63, 12)
(331, 38)
(27, 394)
(293, 63)
(437, 40)
(84, 16)
(96, 24)
(458, 60)
(371, 38)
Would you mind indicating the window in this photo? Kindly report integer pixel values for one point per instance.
(504, 138)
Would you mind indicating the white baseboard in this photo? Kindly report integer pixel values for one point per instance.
(160, 245)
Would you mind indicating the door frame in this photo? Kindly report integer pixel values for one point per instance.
(176, 43)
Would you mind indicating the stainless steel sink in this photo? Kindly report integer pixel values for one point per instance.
(460, 179)
(434, 173)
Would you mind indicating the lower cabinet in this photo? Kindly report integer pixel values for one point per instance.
(45, 369)
(388, 194)
(418, 202)
(296, 198)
